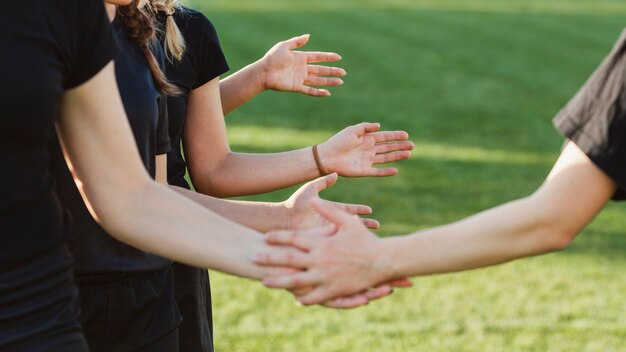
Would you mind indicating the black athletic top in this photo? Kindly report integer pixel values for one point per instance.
(94, 250)
(203, 61)
(595, 119)
(48, 46)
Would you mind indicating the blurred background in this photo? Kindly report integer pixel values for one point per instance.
(476, 84)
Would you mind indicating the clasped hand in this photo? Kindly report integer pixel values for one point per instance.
(335, 264)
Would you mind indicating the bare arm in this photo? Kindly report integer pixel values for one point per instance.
(161, 169)
(282, 69)
(217, 171)
(128, 204)
(574, 192)
(294, 213)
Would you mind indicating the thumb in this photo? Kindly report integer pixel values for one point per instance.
(367, 127)
(322, 183)
(298, 42)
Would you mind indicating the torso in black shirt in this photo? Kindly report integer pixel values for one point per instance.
(203, 61)
(48, 46)
(96, 252)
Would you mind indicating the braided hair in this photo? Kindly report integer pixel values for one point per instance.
(139, 24)
(174, 42)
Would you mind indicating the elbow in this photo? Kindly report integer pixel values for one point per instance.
(213, 180)
(552, 227)
(209, 184)
(112, 210)
(559, 239)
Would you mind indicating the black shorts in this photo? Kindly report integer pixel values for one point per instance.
(38, 308)
(193, 295)
(130, 312)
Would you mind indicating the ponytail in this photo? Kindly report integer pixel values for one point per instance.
(139, 26)
(174, 42)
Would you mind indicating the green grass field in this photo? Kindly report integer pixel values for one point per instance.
(476, 84)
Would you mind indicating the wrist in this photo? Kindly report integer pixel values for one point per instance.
(325, 155)
(386, 260)
(257, 75)
(284, 214)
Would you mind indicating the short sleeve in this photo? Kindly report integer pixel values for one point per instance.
(210, 60)
(92, 45)
(595, 119)
(162, 133)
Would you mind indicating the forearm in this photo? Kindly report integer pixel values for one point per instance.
(240, 87)
(245, 174)
(261, 216)
(518, 229)
(170, 225)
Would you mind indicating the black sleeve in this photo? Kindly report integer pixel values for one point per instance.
(210, 60)
(595, 119)
(92, 44)
(162, 132)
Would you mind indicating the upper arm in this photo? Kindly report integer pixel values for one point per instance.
(574, 192)
(98, 141)
(204, 135)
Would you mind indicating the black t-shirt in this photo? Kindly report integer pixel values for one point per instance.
(48, 46)
(203, 61)
(595, 119)
(95, 251)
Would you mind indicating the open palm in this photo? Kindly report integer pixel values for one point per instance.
(354, 151)
(289, 70)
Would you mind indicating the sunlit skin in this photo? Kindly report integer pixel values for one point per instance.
(344, 257)
(295, 212)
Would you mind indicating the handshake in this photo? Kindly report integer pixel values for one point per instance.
(328, 256)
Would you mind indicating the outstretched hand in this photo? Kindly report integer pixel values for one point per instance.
(289, 70)
(355, 150)
(339, 260)
(302, 215)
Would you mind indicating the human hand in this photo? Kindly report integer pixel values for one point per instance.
(302, 215)
(355, 150)
(339, 260)
(288, 70)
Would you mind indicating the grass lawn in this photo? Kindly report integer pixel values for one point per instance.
(476, 84)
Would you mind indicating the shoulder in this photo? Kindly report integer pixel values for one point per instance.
(194, 22)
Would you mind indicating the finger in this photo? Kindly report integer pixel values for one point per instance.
(317, 296)
(301, 291)
(386, 172)
(281, 271)
(289, 257)
(382, 148)
(297, 42)
(379, 292)
(401, 283)
(386, 136)
(391, 157)
(331, 213)
(292, 282)
(356, 209)
(318, 70)
(347, 302)
(371, 223)
(303, 240)
(322, 81)
(314, 92)
(320, 56)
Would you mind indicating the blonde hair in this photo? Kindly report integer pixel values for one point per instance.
(174, 42)
(140, 28)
